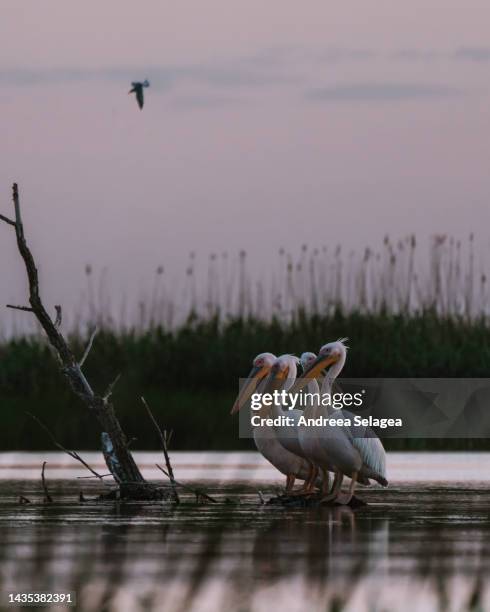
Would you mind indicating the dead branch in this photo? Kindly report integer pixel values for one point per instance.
(110, 389)
(197, 492)
(131, 440)
(9, 221)
(24, 308)
(47, 497)
(59, 316)
(88, 347)
(72, 454)
(122, 464)
(164, 441)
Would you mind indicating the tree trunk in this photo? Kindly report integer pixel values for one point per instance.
(118, 458)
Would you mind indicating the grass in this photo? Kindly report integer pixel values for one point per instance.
(185, 352)
(190, 376)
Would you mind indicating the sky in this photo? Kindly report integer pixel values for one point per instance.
(266, 125)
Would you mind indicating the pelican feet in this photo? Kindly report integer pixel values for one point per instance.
(344, 499)
(306, 491)
(314, 500)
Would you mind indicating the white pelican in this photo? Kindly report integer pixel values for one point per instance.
(306, 437)
(285, 370)
(265, 437)
(137, 88)
(359, 458)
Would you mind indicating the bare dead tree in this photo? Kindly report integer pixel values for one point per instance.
(118, 458)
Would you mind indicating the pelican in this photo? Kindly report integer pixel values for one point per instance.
(359, 458)
(284, 371)
(265, 437)
(305, 435)
(137, 88)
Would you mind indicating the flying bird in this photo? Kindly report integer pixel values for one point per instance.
(137, 88)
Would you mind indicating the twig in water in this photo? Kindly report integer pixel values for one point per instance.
(73, 454)
(164, 439)
(23, 500)
(261, 497)
(197, 492)
(81, 498)
(47, 497)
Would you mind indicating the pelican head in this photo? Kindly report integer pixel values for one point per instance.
(330, 353)
(261, 367)
(306, 360)
(284, 367)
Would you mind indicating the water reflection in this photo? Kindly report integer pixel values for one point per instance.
(413, 548)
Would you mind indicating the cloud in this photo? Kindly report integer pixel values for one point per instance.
(220, 82)
(378, 92)
(268, 67)
(415, 55)
(474, 54)
(345, 54)
(205, 102)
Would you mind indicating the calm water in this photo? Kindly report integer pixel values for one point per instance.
(422, 544)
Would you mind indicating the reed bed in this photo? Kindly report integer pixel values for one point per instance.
(447, 279)
(185, 348)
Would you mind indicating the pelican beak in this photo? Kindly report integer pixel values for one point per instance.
(280, 374)
(256, 374)
(313, 371)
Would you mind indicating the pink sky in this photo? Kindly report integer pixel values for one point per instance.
(266, 124)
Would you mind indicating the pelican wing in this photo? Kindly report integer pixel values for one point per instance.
(368, 445)
(373, 454)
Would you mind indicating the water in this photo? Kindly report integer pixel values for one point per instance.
(421, 544)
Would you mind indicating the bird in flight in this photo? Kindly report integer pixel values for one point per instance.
(137, 88)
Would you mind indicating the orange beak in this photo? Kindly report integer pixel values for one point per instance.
(255, 376)
(313, 371)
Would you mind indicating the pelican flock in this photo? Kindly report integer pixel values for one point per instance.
(301, 451)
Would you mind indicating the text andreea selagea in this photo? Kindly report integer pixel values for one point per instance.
(330, 421)
(334, 402)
